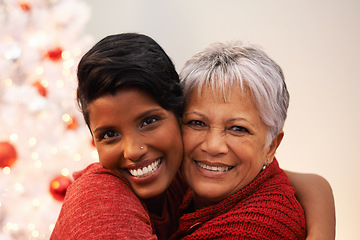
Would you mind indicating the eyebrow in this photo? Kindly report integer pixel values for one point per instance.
(102, 128)
(230, 120)
(237, 119)
(197, 113)
(148, 112)
(140, 116)
(241, 119)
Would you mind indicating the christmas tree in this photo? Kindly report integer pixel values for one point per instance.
(43, 138)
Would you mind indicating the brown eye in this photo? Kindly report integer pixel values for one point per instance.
(108, 135)
(149, 121)
(239, 129)
(196, 123)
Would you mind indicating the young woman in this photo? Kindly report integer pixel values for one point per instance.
(131, 99)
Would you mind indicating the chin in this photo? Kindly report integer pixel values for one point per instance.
(148, 194)
(156, 189)
(210, 193)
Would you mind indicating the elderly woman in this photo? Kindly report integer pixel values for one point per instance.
(235, 109)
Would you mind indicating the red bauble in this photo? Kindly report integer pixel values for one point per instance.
(40, 88)
(25, 6)
(58, 187)
(55, 54)
(72, 124)
(8, 155)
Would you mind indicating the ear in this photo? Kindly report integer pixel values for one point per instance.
(273, 146)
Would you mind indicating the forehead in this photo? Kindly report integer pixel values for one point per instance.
(238, 103)
(214, 94)
(125, 102)
(124, 95)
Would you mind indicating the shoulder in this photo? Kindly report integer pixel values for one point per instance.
(273, 209)
(97, 186)
(277, 190)
(96, 179)
(101, 205)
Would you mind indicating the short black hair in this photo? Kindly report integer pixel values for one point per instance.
(128, 60)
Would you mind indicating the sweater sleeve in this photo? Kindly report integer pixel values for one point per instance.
(101, 205)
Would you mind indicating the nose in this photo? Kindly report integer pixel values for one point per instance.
(133, 149)
(214, 142)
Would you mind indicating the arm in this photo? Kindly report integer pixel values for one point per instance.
(316, 197)
(101, 205)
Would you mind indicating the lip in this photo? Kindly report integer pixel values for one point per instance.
(219, 173)
(142, 164)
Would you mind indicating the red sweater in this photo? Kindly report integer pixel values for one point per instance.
(101, 205)
(264, 209)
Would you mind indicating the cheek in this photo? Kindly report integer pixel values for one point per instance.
(168, 139)
(191, 139)
(107, 157)
(247, 152)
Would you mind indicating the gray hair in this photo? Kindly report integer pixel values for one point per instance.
(222, 65)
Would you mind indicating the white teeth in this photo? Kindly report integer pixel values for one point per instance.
(145, 171)
(213, 168)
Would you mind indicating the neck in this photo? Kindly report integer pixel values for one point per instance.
(155, 204)
(199, 202)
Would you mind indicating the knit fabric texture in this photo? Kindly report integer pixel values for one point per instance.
(101, 205)
(264, 209)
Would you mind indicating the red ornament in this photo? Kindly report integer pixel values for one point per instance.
(55, 54)
(8, 155)
(72, 123)
(40, 88)
(25, 6)
(58, 187)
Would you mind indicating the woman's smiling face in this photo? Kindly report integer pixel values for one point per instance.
(138, 139)
(224, 144)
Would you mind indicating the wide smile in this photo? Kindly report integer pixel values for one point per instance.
(145, 171)
(214, 167)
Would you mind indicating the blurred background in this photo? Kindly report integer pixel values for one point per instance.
(43, 138)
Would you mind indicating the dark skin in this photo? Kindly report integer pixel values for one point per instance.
(316, 196)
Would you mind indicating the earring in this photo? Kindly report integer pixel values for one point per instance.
(141, 147)
(265, 165)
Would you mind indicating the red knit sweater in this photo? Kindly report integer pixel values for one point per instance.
(101, 205)
(264, 209)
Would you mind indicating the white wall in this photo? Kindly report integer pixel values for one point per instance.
(317, 43)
